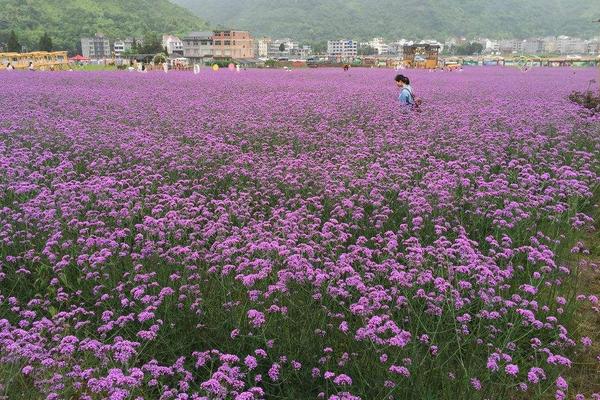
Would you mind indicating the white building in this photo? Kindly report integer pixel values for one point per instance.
(550, 45)
(397, 48)
(569, 45)
(173, 44)
(343, 49)
(262, 47)
(122, 46)
(490, 46)
(303, 52)
(593, 46)
(379, 45)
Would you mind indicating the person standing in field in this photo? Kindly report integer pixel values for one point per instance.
(406, 96)
(31, 67)
(9, 67)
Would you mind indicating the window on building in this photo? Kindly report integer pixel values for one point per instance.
(227, 43)
(195, 43)
(217, 42)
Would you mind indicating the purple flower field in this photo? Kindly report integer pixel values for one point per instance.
(293, 235)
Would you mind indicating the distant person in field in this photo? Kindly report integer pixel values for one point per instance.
(9, 67)
(346, 67)
(407, 97)
(31, 67)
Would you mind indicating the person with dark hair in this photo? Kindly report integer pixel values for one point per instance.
(406, 97)
(9, 67)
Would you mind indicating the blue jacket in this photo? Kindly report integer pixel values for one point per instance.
(406, 96)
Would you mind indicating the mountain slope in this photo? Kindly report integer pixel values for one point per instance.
(68, 20)
(361, 19)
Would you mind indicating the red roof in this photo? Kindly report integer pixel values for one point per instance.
(79, 58)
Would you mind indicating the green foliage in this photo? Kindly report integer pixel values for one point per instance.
(363, 19)
(160, 58)
(152, 44)
(69, 20)
(13, 44)
(45, 43)
(367, 51)
(468, 49)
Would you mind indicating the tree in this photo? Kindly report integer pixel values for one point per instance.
(468, 49)
(367, 51)
(45, 43)
(13, 44)
(319, 47)
(282, 47)
(152, 44)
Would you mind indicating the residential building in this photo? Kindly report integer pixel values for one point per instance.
(379, 45)
(198, 46)
(569, 45)
(533, 46)
(262, 47)
(593, 46)
(173, 44)
(302, 52)
(550, 45)
(490, 46)
(233, 44)
(97, 47)
(511, 46)
(397, 48)
(342, 49)
(126, 45)
(284, 48)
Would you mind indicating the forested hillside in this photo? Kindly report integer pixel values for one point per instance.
(67, 20)
(361, 19)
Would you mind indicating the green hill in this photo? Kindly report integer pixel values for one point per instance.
(68, 20)
(362, 19)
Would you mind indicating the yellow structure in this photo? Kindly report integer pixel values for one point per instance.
(421, 56)
(42, 60)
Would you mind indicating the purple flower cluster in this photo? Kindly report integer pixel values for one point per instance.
(292, 235)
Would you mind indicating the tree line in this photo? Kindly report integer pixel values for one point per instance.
(14, 46)
(151, 44)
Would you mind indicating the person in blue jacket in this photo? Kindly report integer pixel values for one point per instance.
(406, 96)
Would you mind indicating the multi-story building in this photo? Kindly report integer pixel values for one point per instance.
(233, 44)
(303, 52)
(569, 45)
(379, 45)
(511, 46)
(397, 48)
(342, 49)
(550, 45)
(593, 46)
(198, 46)
(533, 46)
(97, 47)
(173, 44)
(126, 45)
(262, 47)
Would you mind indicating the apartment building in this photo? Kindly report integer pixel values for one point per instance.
(97, 47)
(233, 44)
